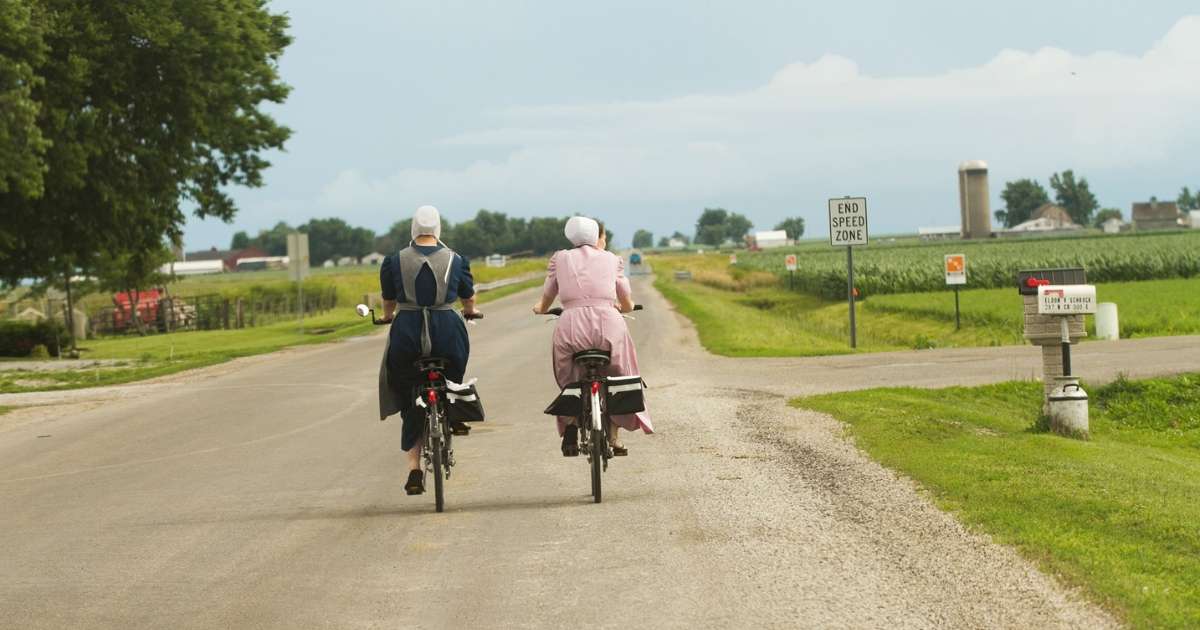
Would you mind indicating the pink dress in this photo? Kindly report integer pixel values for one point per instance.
(588, 281)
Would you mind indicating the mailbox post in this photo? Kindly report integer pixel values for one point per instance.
(1055, 323)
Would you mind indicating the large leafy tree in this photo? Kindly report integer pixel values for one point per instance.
(1021, 198)
(1074, 196)
(716, 225)
(22, 145)
(146, 106)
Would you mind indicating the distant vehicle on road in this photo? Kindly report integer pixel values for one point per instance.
(635, 258)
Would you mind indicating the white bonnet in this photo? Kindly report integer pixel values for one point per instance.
(427, 222)
(582, 231)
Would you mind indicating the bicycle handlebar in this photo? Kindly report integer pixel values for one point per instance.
(364, 311)
(557, 310)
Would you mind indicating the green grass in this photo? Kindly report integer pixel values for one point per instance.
(4, 410)
(1145, 309)
(744, 312)
(1117, 515)
(159, 355)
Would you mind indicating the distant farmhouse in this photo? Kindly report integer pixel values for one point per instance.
(229, 258)
(1047, 218)
(1156, 215)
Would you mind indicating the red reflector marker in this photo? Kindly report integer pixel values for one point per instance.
(432, 397)
(595, 387)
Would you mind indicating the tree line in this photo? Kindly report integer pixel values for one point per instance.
(1023, 197)
(717, 226)
(488, 232)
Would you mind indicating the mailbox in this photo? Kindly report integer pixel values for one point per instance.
(1066, 299)
(1029, 280)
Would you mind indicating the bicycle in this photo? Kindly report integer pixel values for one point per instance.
(437, 449)
(593, 421)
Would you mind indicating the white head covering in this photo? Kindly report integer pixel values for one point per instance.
(427, 222)
(582, 231)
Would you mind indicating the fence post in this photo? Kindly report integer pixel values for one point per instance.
(241, 321)
(225, 313)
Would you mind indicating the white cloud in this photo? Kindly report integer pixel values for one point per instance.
(823, 128)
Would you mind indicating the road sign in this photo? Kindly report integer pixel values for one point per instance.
(790, 262)
(297, 248)
(733, 259)
(956, 269)
(1066, 299)
(848, 221)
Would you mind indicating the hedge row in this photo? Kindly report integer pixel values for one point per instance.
(18, 338)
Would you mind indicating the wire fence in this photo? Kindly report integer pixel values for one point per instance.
(208, 312)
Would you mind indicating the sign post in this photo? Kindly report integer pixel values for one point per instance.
(297, 244)
(790, 263)
(847, 228)
(956, 276)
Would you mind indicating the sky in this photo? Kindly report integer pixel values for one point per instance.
(642, 113)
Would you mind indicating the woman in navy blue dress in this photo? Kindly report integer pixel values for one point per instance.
(425, 278)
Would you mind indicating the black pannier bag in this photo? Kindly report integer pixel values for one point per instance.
(626, 395)
(462, 403)
(568, 403)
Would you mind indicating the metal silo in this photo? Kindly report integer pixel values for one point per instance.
(976, 211)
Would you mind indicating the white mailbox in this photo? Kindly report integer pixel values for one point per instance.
(1066, 299)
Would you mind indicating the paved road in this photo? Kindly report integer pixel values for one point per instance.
(269, 495)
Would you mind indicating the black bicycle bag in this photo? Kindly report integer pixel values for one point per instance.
(463, 404)
(626, 395)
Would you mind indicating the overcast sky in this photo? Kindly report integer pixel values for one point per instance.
(643, 113)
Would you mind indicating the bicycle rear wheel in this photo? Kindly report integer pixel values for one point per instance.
(439, 499)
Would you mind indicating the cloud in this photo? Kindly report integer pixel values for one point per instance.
(823, 128)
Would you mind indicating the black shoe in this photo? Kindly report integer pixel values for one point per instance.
(570, 441)
(619, 451)
(460, 428)
(416, 483)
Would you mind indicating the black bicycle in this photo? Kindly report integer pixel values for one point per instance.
(438, 448)
(593, 421)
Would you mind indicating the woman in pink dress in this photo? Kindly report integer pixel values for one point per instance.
(594, 291)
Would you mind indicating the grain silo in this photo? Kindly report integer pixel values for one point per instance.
(976, 211)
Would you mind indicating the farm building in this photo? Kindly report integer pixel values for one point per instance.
(1194, 219)
(1047, 218)
(259, 263)
(374, 258)
(347, 261)
(1155, 215)
(937, 233)
(768, 239)
(1114, 226)
(229, 258)
(193, 267)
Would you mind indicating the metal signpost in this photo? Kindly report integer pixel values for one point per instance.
(847, 228)
(297, 247)
(956, 276)
(790, 263)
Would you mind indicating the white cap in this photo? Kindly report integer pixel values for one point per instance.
(427, 222)
(582, 231)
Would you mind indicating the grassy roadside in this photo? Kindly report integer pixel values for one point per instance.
(742, 312)
(1116, 515)
(140, 358)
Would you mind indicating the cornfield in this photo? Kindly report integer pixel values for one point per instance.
(913, 268)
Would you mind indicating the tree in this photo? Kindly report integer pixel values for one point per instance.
(241, 240)
(142, 105)
(643, 239)
(329, 238)
(736, 227)
(1188, 201)
(274, 240)
(1074, 196)
(22, 145)
(1106, 214)
(793, 226)
(1021, 198)
(711, 228)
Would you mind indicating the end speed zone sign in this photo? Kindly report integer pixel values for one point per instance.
(848, 221)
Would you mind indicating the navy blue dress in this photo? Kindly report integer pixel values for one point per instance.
(447, 331)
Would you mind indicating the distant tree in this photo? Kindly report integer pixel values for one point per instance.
(1188, 201)
(332, 237)
(241, 240)
(793, 226)
(643, 239)
(546, 234)
(143, 108)
(1106, 214)
(1074, 196)
(711, 228)
(274, 240)
(1001, 217)
(664, 242)
(1021, 198)
(737, 227)
(133, 269)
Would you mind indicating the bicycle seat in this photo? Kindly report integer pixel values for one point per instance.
(426, 364)
(594, 355)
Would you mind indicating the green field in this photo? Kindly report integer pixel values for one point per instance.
(1116, 515)
(912, 267)
(158, 355)
(744, 312)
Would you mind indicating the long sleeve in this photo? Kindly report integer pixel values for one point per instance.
(466, 282)
(623, 288)
(550, 286)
